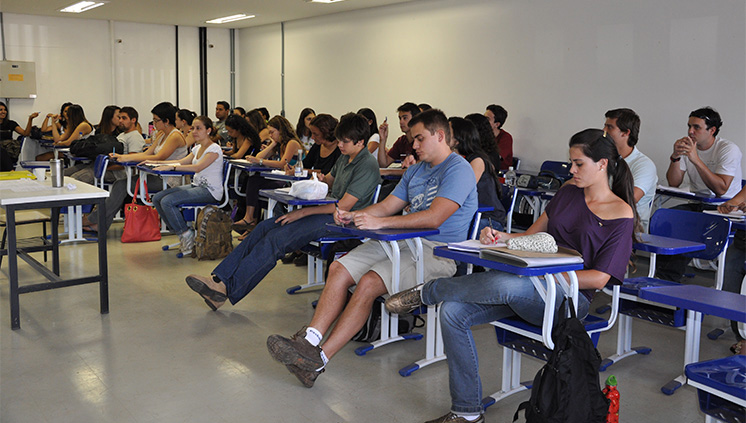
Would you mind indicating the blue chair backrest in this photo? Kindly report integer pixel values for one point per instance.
(99, 166)
(708, 229)
(560, 170)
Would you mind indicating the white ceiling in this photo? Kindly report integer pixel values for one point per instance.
(193, 13)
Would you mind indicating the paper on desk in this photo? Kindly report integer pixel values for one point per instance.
(678, 190)
(529, 258)
(22, 185)
(277, 172)
(734, 215)
(472, 245)
(286, 190)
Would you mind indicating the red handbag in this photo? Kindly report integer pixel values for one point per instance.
(141, 222)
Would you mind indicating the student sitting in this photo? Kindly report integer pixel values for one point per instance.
(255, 118)
(325, 149)
(440, 192)
(245, 139)
(280, 152)
(352, 180)
(465, 141)
(183, 123)
(321, 158)
(77, 128)
(375, 138)
(169, 144)
(10, 149)
(590, 217)
(301, 128)
(108, 125)
(206, 161)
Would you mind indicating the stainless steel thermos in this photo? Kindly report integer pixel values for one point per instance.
(58, 178)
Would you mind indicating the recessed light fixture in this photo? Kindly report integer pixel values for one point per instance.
(231, 18)
(323, 1)
(83, 6)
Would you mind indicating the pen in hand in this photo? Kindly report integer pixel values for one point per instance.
(494, 240)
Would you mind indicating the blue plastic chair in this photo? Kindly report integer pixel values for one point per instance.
(721, 387)
(508, 200)
(704, 228)
(560, 170)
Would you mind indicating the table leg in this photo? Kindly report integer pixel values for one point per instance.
(103, 269)
(56, 240)
(691, 349)
(15, 307)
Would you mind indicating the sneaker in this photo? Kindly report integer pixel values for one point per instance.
(306, 377)
(405, 302)
(187, 241)
(295, 351)
(452, 418)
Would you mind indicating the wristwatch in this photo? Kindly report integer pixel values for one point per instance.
(676, 159)
(261, 162)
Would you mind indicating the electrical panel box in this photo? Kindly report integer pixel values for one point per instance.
(17, 79)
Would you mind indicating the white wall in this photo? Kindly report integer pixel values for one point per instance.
(259, 65)
(556, 66)
(96, 63)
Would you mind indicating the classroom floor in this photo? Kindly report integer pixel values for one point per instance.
(161, 355)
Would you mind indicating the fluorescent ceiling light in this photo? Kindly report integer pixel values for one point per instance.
(232, 18)
(324, 1)
(82, 6)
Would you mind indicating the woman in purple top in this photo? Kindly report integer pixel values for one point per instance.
(591, 216)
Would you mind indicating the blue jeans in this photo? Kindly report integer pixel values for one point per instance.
(257, 255)
(167, 203)
(476, 299)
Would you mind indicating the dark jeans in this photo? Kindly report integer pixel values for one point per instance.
(257, 255)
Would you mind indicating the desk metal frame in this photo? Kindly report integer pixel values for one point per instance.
(11, 205)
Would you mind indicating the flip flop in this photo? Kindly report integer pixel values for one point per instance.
(242, 225)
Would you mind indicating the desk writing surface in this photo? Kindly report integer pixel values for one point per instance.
(703, 197)
(281, 196)
(727, 305)
(382, 234)
(666, 246)
(47, 193)
(474, 258)
(149, 169)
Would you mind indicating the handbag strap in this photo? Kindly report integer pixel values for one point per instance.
(137, 190)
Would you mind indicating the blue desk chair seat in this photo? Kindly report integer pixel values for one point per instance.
(704, 228)
(518, 337)
(721, 388)
(190, 210)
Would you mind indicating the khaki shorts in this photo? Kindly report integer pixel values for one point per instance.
(371, 257)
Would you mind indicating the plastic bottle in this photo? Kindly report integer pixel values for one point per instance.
(612, 394)
(510, 177)
(299, 164)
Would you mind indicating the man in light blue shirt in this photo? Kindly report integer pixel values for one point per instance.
(437, 192)
(623, 126)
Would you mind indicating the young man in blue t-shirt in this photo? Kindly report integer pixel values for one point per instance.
(439, 192)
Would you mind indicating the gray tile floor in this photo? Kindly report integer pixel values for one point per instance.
(161, 355)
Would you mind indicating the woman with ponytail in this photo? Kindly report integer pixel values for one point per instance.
(591, 216)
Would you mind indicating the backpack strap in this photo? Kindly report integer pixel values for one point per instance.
(522, 406)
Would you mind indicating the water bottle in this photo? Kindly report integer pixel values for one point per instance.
(510, 177)
(299, 164)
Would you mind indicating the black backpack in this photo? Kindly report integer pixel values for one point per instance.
(566, 389)
(96, 144)
(371, 330)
